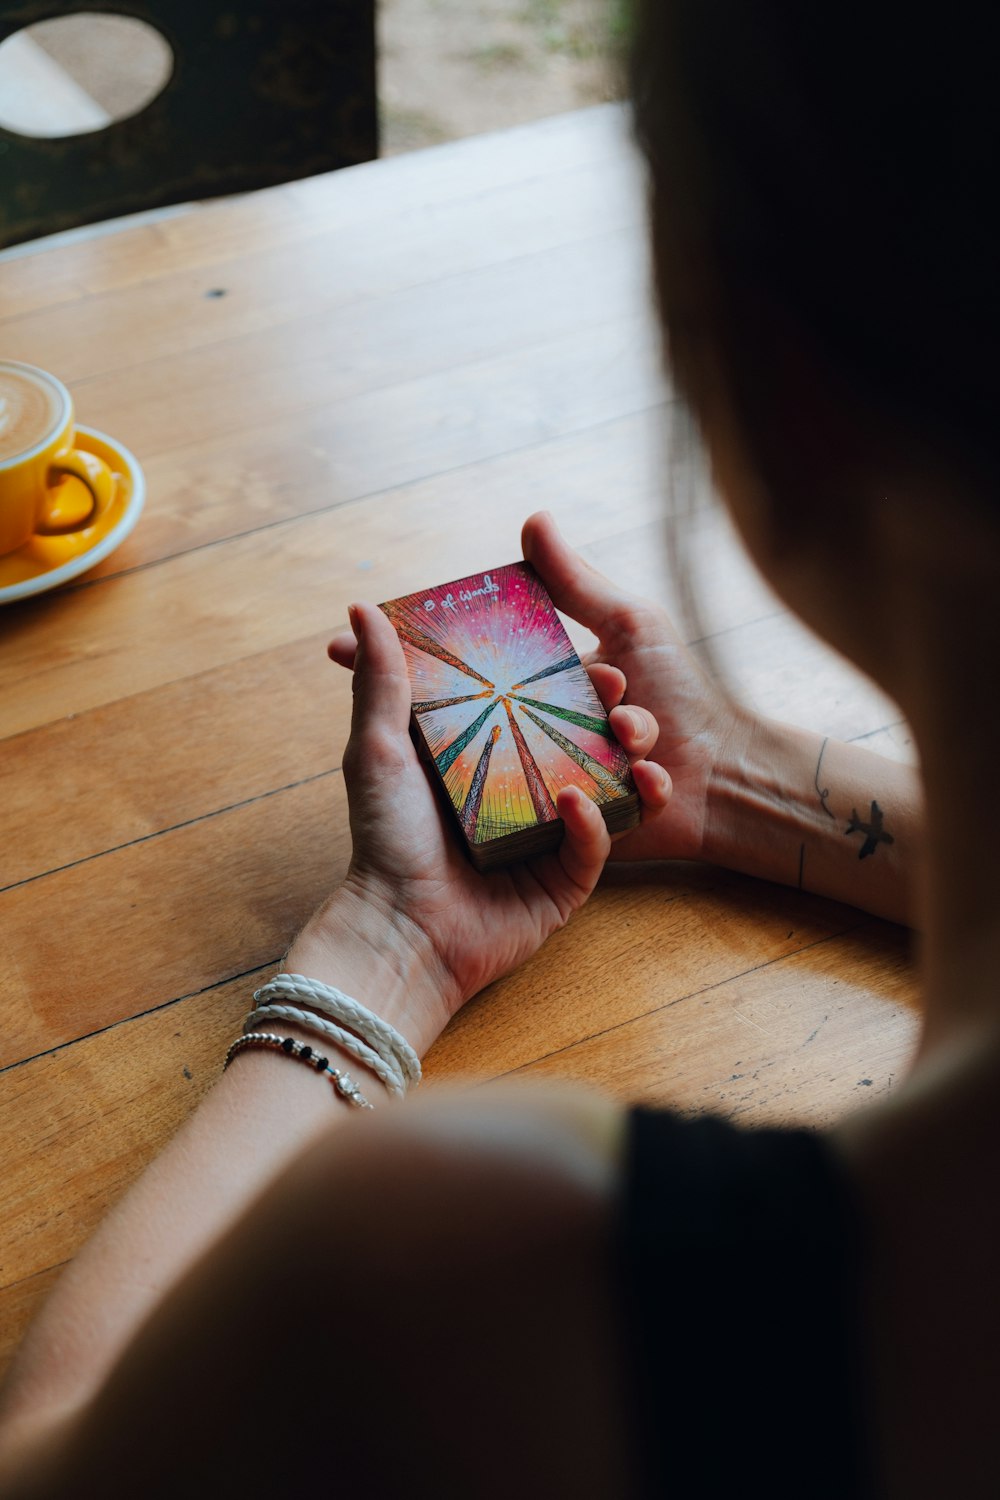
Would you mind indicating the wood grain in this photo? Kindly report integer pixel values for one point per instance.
(230, 753)
(98, 1111)
(652, 937)
(820, 1016)
(584, 152)
(454, 435)
(167, 916)
(85, 646)
(408, 359)
(804, 1039)
(260, 290)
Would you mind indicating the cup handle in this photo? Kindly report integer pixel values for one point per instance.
(59, 519)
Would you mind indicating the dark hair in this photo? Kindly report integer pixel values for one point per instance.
(837, 166)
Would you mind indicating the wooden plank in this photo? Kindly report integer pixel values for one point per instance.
(91, 645)
(468, 339)
(99, 645)
(158, 401)
(98, 762)
(229, 484)
(804, 1040)
(156, 760)
(229, 751)
(775, 662)
(653, 936)
(262, 287)
(240, 883)
(374, 198)
(174, 914)
(284, 356)
(803, 1031)
(449, 430)
(895, 742)
(96, 1113)
(350, 203)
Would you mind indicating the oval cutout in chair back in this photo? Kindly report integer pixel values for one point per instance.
(75, 74)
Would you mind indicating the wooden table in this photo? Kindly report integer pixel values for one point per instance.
(351, 387)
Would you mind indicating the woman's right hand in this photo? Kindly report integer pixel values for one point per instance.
(641, 659)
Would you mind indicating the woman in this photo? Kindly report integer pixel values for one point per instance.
(528, 1289)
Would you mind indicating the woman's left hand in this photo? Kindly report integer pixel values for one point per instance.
(463, 929)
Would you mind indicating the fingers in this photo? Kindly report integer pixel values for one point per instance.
(343, 649)
(635, 729)
(582, 592)
(609, 683)
(381, 683)
(654, 786)
(587, 844)
(576, 588)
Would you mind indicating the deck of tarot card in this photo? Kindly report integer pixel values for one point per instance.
(506, 713)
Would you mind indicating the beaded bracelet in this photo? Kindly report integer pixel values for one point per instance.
(377, 1036)
(388, 1073)
(342, 1083)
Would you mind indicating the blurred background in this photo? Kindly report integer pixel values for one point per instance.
(447, 68)
(458, 67)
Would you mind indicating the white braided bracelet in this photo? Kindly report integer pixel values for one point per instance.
(387, 1072)
(384, 1042)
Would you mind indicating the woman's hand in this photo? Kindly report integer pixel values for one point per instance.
(640, 657)
(753, 795)
(410, 883)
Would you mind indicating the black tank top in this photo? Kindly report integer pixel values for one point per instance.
(739, 1260)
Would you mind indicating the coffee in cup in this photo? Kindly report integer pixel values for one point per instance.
(48, 487)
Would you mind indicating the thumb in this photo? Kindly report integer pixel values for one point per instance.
(579, 590)
(381, 682)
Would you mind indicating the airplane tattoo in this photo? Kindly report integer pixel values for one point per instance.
(873, 830)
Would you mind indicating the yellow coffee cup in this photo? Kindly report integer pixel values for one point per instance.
(47, 486)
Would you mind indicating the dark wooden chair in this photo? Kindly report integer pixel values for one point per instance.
(262, 91)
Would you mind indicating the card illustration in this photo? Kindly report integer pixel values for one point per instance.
(504, 705)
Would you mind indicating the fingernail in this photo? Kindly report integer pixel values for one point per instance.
(354, 617)
(638, 721)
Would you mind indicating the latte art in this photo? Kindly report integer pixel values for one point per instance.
(30, 409)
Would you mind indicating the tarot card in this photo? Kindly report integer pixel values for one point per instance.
(507, 713)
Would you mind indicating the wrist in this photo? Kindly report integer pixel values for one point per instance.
(320, 1045)
(748, 802)
(358, 942)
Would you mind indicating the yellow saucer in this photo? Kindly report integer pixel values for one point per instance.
(45, 562)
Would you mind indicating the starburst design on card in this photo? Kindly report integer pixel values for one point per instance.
(506, 709)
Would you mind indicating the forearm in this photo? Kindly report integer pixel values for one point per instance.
(827, 817)
(262, 1113)
(252, 1123)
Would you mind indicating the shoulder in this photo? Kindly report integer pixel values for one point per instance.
(423, 1304)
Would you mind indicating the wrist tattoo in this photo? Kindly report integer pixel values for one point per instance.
(874, 830)
(822, 792)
